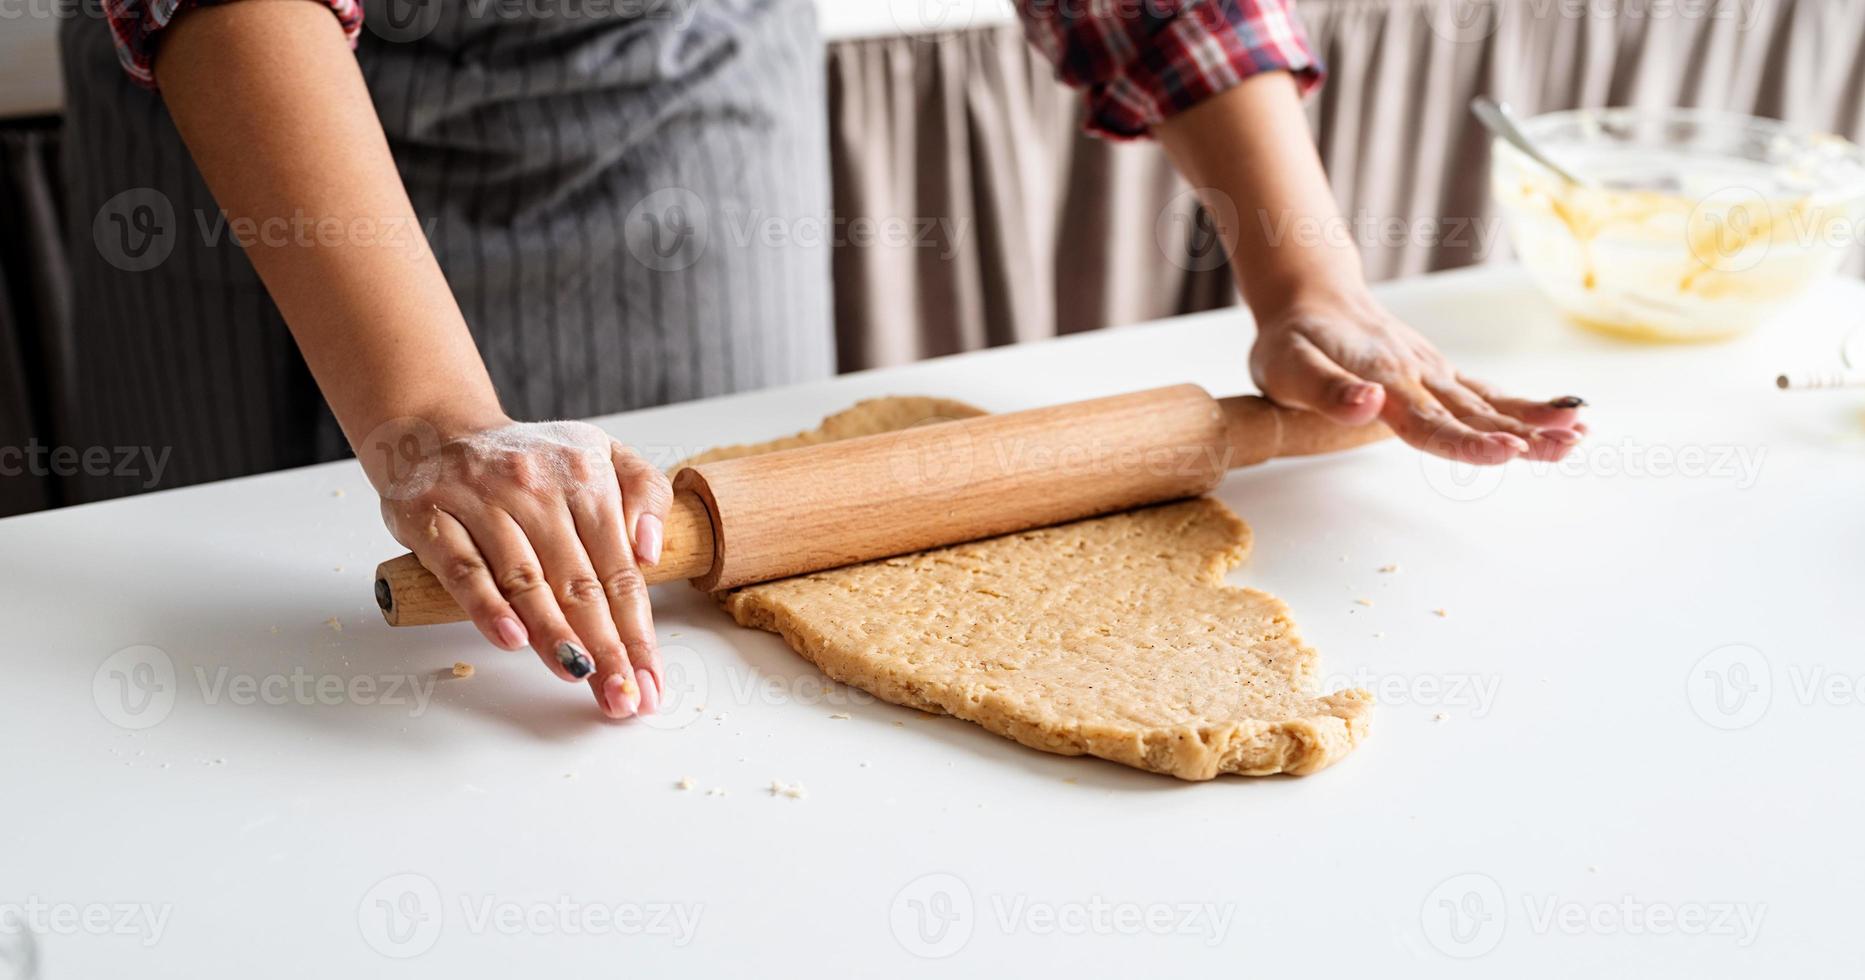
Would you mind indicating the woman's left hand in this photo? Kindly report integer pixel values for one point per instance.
(1347, 358)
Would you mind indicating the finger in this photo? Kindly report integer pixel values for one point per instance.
(599, 524)
(1557, 413)
(580, 594)
(1421, 420)
(1543, 443)
(646, 497)
(447, 550)
(1298, 374)
(521, 580)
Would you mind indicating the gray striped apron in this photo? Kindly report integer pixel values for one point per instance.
(626, 197)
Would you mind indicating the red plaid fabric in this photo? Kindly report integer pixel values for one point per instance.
(135, 24)
(1141, 61)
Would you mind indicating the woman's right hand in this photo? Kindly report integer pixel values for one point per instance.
(527, 525)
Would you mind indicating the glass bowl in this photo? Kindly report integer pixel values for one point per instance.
(1695, 226)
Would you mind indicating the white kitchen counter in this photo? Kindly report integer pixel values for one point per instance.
(1555, 785)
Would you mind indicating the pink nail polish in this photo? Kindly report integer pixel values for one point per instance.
(650, 691)
(623, 695)
(511, 633)
(648, 539)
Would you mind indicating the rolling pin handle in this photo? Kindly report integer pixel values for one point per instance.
(410, 595)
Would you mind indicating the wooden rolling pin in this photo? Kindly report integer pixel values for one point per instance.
(775, 515)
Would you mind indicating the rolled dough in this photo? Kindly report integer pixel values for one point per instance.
(1113, 637)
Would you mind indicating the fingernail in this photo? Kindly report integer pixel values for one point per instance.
(623, 694)
(650, 691)
(575, 660)
(1568, 401)
(1509, 441)
(511, 633)
(1565, 437)
(648, 538)
(1359, 394)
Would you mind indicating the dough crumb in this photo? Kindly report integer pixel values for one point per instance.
(1593, 869)
(838, 716)
(686, 782)
(1388, 569)
(1364, 602)
(337, 492)
(569, 775)
(793, 791)
(1379, 636)
(716, 791)
(1440, 613)
(1441, 716)
(462, 669)
(335, 624)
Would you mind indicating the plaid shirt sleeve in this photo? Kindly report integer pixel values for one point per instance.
(135, 24)
(1141, 61)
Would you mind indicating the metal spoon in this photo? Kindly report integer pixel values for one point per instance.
(1502, 123)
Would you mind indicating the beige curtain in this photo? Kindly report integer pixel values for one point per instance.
(1012, 225)
(1051, 232)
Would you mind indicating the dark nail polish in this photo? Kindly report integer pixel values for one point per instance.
(1568, 401)
(575, 660)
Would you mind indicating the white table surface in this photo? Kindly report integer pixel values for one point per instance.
(1586, 805)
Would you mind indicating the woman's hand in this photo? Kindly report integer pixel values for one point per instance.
(527, 526)
(1322, 342)
(1350, 360)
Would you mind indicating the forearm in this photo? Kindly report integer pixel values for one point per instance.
(1251, 145)
(1322, 342)
(273, 108)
